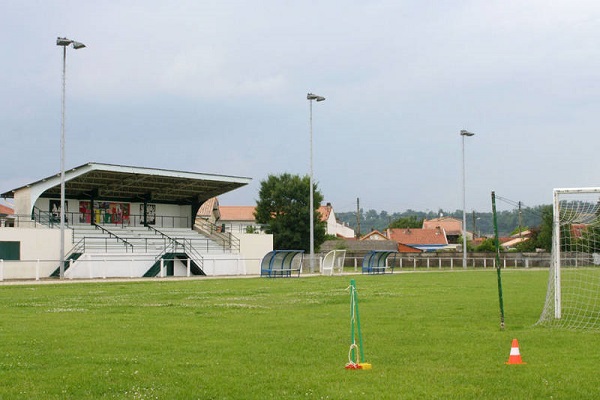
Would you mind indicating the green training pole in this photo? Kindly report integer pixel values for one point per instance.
(352, 318)
(355, 322)
(498, 269)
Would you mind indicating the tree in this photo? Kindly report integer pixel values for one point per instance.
(283, 205)
(407, 222)
(544, 239)
(541, 236)
(488, 246)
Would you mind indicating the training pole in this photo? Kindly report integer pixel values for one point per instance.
(355, 324)
(356, 355)
(497, 242)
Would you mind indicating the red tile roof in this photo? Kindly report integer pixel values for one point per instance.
(577, 230)
(208, 207)
(325, 211)
(415, 236)
(237, 213)
(246, 213)
(374, 235)
(6, 210)
(404, 248)
(449, 224)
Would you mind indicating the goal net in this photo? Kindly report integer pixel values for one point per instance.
(573, 295)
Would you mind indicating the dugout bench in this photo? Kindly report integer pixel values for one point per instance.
(282, 263)
(376, 262)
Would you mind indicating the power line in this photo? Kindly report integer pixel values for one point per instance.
(519, 205)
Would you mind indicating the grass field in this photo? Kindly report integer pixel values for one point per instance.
(427, 335)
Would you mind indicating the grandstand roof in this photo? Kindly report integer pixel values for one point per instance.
(126, 183)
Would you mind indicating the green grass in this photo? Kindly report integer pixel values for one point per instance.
(427, 335)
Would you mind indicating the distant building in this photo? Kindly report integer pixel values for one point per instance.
(452, 227)
(238, 218)
(514, 240)
(242, 219)
(334, 227)
(209, 211)
(7, 217)
(422, 239)
(374, 235)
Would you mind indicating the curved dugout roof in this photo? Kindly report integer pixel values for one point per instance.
(134, 184)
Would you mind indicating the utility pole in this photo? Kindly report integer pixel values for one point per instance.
(520, 223)
(358, 217)
(474, 226)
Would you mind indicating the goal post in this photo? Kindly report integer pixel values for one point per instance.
(573, 292)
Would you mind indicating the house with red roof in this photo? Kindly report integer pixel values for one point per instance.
(377, 236)
(512, 241)
(578, 230)
(6, 216)
(452, 227)
(334, 227)
(242, 219)
(238, 219)
(374, 235)
(422, 239)
(209, 211)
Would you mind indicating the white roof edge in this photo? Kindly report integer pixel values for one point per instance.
(71, 173)
(163, 172)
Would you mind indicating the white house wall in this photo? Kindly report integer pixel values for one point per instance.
(335, 228)
(344, 231)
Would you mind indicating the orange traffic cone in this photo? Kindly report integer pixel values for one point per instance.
(515, 355)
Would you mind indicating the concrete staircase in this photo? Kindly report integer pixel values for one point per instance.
(114, 251)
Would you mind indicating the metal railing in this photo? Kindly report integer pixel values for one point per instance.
(115, 236)
(214, 232)
(242, 228)
(173, 247)
(101, 217)
(101, 266)
(407, 262)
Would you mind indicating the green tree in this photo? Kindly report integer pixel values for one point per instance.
(541, 236)
(488, 246)
(284, 206)
(544, 239)
(516, 230)
(407, 222)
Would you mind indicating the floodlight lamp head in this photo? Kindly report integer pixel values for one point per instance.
(312, 96)
(63, 41)
(466, 133)
(67, 42)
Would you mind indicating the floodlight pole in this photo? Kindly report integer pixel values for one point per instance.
(64, 42)
(310, 97)
(464, 133)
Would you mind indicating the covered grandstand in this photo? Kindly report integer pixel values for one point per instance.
(123, 221)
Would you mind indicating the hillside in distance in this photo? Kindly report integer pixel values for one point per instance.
(479, 222)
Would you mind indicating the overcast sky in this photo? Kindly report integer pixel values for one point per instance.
(220, 87)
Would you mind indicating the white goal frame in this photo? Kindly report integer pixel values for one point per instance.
(553, 311)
